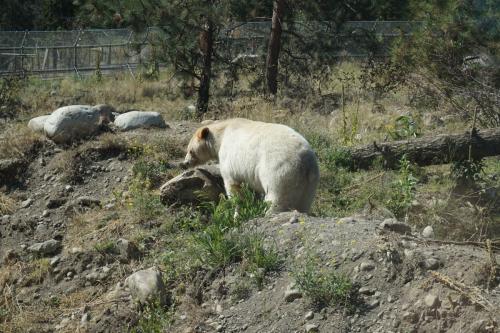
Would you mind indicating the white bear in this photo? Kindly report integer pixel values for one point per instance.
(272, 159)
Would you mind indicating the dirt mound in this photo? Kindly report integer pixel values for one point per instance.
(77, 198)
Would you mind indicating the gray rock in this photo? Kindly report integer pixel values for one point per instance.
(46, 248)
(54, 261)
(366, 266)
(85, 318)
(310, 328)
(309, 315)
(127, 250)
(139, 119)
(428, 232)
(26, 203)
(45, 213)
(74, 122)
(366, 291)
(410, 317)
(292, 293)
(192, 185)
(37, 123)
(395, 226)
(55, 203)
(432, 301)
(147, 285)
(431, 263)
(373, 303)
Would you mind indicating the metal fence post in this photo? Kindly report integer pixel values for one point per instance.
(75, 60)
(22, 51)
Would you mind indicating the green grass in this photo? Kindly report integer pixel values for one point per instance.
(323, 286)
(106, 247)
(154, 318)
(143, 202)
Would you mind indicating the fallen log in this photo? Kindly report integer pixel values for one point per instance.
(430, 150)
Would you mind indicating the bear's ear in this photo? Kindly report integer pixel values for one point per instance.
(203, 133)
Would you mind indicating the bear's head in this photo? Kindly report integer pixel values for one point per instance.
(200, 149)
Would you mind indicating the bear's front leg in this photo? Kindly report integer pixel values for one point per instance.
(232, 188)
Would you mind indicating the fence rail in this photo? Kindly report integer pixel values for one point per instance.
(52, 53)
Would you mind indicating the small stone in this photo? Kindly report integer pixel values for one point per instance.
(395, 226)
(127, 250)
(366, 291)
(366, 266)
(147, 284)
(432, 301)
(26, 203)
(219, 328)
(292, 294)
(46, 248)
(428, 232)
(373, 304)
(85, 318)
(45, 213)
(410, 317)
(309, 315)
(55, 203)
(54, 261)
(390, 299)
(431, 263)
(310, 328)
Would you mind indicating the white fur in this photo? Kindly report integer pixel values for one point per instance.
(272, 159)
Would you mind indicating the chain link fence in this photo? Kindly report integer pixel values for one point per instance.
(53, 53)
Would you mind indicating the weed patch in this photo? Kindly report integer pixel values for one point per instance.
(324, 287)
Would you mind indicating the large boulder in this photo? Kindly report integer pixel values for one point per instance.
(37, 124)
(74, 122)
(139, 119)
(147, 285)
(192, 186)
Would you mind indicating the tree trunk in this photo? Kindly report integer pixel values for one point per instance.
(206, 47)
(439, 149)
(273, 50)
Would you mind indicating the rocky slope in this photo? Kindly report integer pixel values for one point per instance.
(57, 274)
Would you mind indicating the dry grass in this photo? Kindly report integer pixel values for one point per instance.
(18, 141)
(7, 205)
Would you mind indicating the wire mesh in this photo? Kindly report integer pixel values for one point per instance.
(80, 51)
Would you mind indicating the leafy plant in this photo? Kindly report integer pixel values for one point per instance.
(467, 170)
(404, 127)
(324, 287)
(403, 189)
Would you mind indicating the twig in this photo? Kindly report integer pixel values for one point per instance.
(495, 243)
(369, 180)
(472, 131)
(473, 294)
